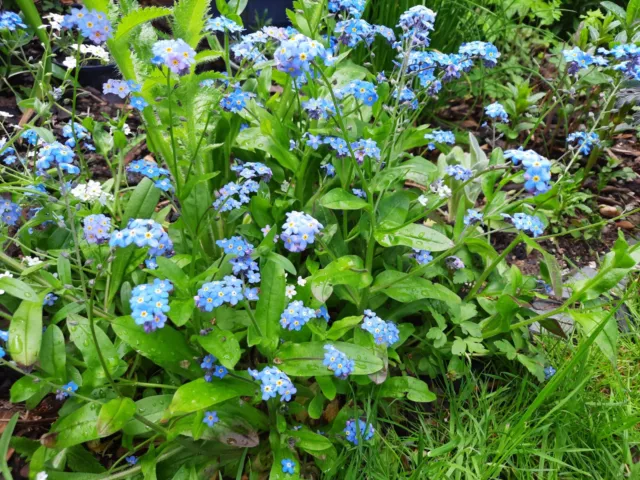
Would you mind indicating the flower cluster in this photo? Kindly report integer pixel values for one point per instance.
(30, 136)
(229, 290)
(96, 228)
(9, 212)
(121, 88)
(242, 264)
(537, 169)
(8, 154)
(11, 21)
(486, 51)
(526, 223)
(578, 60)
(361, 90)
(496, 112)
(416, 23)
(144, 233)
(92, 24)
(319, 108)
(222, 24)
(151, 170)
(458, 172)
(235, 101)
(296, 315)
(365, 148)
(150, 303)
(176, 55)
(355, 8)
(77, 132)
(354, 31)
(629, 54)
(336, 361)
(274, 382)
(56, 155)
(439, 188)
(212, 369)
(66, 390)
(360, 430)
(454, 263)
(472, 217)
(91, 192)
(294, 56)
(299, 231)
(383, 332)
(440, 136)
(584, 142)
(421, 256)
(549, 372)
(406, 98)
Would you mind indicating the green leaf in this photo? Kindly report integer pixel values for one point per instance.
(342, 326)
(152, 408)
(137, 18)
(142, 203)
(17, 288)
(189, 18)
(165, 347)
(507, 348)
(327, 386)
(310, 441)
(347, 270)
(305, 359)
(415, 288)
(316, 406)
(80, 334)
(415, 389)
(270, 306)
(339, 199)
(24, 388)
(607, 340)
(633, 12)
(53, 357)
(201, 394)
(114, 415)
(77, 427)
(25, 333)
(393, 210)
(181, 310)
(414, 236)
(223, 345)
(4, 445)
(173, 272)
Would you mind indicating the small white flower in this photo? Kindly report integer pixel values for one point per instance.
(265, 231)
(285, 186)
(302, 281)
(42, 476)
(70, 63)
(54, 20)
(5, 114)
(3, 141)
(91, 192)
(423, 200)
(5, 274)
(32, 261)
(290, 291)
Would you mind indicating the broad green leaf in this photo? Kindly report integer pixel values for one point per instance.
(411, 289)
(310, 441)
(114, 415)
(189, 17)
(25, 333)
(137, 18)
(24, 388)
(142, 203)
(4, 445)
(393, 210)
(53, 357)
(270, 306)
(181, 310)
(607, 340)
(152, 408)
(201, 394)
(17, 288)
(339, 199)
(77, 427)
(223, 345)
(173, 272)
(127, 260)
(80, 334)
(415, 389)
(347, 270)
(165, 347)
(327, 386)
(342, 326)
(305, 359)
(414, 236)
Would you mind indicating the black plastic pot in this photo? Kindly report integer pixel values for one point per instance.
(91, 75)
(263, 9)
